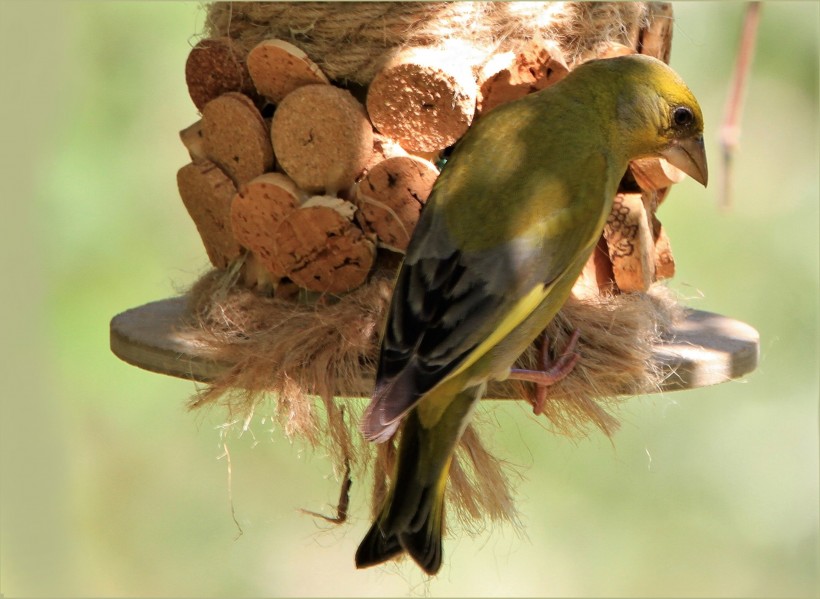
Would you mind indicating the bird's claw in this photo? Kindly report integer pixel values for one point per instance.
(551, 370)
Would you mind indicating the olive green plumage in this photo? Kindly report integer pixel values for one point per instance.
(505, 233)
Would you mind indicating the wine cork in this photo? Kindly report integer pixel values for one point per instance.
(597, 277)
(630, 243)
(321, 249)
(278, 67)
(390, 198)
(585, 286)
(604, 273)
(653, 174)
(431, 157)
(207, 193)
(656, 39)
(193, 138)
(664, 261)
(613, 49)
(512, 75)
(322, 138)
(288, 290)
(236, 137)
(383, 148)
(423, 98)
(216, 66)
(256, 212)
(254, 275)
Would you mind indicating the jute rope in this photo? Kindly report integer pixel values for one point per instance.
(349, 40)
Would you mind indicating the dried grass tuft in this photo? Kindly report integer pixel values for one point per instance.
(308, 357)
(349, 40)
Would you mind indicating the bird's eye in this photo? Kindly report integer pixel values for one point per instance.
(682, 116)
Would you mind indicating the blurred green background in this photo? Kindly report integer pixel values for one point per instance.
(109, 487)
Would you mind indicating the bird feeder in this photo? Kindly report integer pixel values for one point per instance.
(322, 129)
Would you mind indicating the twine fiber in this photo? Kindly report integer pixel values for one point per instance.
(349, 40)
(306, 356)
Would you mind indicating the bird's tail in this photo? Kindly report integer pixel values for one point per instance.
(412, 517)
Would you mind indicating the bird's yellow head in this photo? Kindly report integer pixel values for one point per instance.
(657, 114)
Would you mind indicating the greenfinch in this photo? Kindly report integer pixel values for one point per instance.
(505, 233)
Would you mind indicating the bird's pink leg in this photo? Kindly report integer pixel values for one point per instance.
(551, 371)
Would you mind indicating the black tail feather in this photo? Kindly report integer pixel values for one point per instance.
(423, 543)
(376, 548)
(412, 517)
(424, 549)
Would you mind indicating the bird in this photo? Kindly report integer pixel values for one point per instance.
(505, 233)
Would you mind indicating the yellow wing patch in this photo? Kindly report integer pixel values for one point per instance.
(436, 400)
(516, 315)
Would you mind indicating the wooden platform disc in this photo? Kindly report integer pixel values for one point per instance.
(704, 349)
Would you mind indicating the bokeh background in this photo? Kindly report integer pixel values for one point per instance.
(109, 487)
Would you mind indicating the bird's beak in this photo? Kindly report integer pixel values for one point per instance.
(689, 155)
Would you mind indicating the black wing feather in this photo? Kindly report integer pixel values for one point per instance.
(434, 310)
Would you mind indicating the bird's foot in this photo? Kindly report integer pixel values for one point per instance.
(551, 371)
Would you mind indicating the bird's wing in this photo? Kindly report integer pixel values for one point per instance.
(451, 306)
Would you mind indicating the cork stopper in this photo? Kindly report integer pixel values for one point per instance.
(236, 138)
(321, 249)
(653, 174)
(664, 261)
(322, 138)
(256, 213)
(216, 66)
(512, 75)
(630, 242)
(207, 193)
(193, 138)
(423, 98)
(390, 198)
(278, 67)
